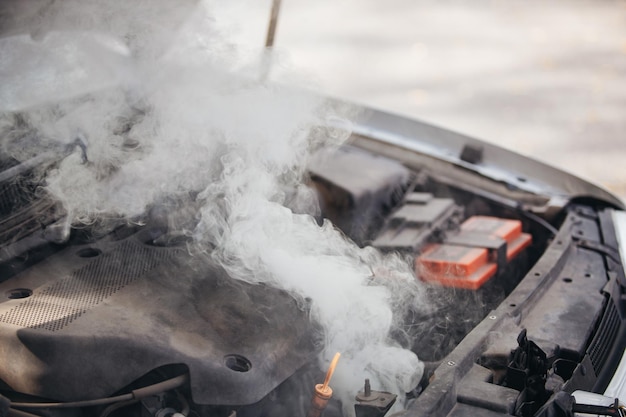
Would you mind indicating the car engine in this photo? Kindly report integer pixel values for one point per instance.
(182, 236)
(104, 314)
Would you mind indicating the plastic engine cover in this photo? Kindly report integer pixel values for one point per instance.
(113, 311)
(357, 189)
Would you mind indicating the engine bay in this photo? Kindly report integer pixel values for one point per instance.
(105, 313)
(183, 232)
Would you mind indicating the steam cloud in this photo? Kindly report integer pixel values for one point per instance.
(172, 108)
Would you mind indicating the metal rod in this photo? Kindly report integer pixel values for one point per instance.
(271, 30)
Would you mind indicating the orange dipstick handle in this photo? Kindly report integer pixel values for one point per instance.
(323, 392)
(331, 370)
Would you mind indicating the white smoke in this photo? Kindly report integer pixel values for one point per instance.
(189, 114)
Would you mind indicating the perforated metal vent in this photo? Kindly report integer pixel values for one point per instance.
(604, 338)
(10, 197)
(59, 304)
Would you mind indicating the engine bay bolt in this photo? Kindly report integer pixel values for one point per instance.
(367, 394)
(371, 403)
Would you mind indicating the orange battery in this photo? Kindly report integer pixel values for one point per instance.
(503, 228)
(507, 229)
(515, 247)
(455, 266)
(465, 263)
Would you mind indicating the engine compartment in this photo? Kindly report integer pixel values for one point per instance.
(411, 215)
(106, 313)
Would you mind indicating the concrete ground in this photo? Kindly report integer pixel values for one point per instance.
(547, 79)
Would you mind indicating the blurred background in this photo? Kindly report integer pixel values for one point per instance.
(544, 78)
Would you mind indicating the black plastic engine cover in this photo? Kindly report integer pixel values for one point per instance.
(357, 189)
(101, 316)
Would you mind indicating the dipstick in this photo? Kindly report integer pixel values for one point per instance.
(331, 370)
(323, 392)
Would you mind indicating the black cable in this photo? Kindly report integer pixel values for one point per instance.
(114, 407)
(154, 389)
(537, 219)
(184, 404)
(76, 404)
(19, 413)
